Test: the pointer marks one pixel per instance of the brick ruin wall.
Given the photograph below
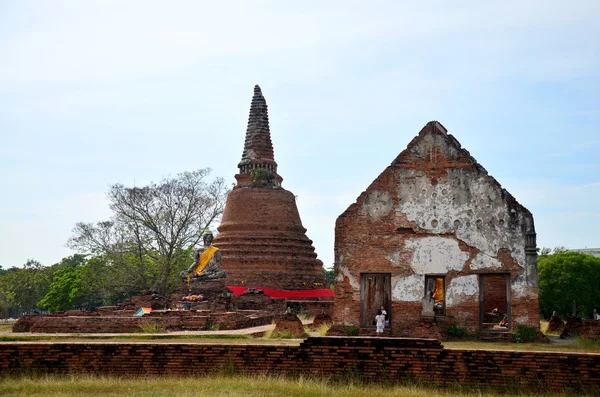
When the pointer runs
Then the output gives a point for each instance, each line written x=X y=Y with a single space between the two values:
x=435 y=211
x=389 y=360
x=170 y=321
x=578 y=327
x=310 y=308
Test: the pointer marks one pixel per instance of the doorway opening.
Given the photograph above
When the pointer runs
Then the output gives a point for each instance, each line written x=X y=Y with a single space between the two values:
x=435 y=287
x=494 y=302
x=375 y=292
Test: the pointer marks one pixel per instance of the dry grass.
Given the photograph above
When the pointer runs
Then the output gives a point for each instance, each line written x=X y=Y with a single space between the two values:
x=5 y=327
x=238 y=386
x=268 y=339
x=565 y=346
x=230 y=339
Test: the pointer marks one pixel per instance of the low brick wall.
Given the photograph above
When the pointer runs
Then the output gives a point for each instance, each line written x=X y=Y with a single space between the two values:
x=170 y=321
x=372 y=359
x=310 y=307
x=578 y=327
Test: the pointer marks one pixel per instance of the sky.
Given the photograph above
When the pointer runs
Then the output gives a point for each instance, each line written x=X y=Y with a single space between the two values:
x=94 y=93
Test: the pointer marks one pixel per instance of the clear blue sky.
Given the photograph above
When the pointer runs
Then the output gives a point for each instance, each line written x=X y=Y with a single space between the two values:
x=97 y=93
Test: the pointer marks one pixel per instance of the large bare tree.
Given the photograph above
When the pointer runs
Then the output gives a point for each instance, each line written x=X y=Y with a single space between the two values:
x=154 y=227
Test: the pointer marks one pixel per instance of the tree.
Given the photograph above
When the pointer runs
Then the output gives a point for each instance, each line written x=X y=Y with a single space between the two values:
x=566 y=276
x=329 y=275
x=154 y=227
x=22 y=289
x=63 y=290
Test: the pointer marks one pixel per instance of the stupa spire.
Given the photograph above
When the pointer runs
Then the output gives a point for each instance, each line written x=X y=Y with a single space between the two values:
x=258 y=148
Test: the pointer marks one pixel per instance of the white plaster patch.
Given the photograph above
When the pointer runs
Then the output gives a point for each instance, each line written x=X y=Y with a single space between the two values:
x=466 y=204
x=436 y=255
x=462 y=288
x=344 y=272
x=483 y=261
x=378 y=204
x=409 y=288
x=394 y=258
x=520 y=289
x=522 y=320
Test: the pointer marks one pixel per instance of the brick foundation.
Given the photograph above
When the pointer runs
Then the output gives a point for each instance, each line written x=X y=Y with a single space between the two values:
x=390 y=360
x=170 y=321
x=577 y=327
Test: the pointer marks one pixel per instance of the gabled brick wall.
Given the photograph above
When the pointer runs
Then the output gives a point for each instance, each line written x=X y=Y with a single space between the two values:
x=435 y=211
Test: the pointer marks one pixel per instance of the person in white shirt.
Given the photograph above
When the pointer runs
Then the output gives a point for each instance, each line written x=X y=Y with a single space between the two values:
x=387 y=319
x=380 y=321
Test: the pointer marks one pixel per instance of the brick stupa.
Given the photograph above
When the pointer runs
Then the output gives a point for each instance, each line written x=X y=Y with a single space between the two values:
x=261 y=237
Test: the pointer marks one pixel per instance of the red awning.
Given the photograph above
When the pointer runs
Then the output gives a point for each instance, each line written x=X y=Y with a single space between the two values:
x=282 y=293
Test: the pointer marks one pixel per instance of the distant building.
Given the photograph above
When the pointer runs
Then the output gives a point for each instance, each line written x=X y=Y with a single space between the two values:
x=589 y=251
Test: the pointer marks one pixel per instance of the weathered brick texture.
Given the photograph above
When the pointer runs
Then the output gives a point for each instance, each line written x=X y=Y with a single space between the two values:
x=435 y=211
x=390 y=360
x=170 y=321
x=261 y=237
x=576 y=326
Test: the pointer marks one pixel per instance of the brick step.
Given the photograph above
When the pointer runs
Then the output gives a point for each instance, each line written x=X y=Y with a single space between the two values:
x=495 y=336
x=372 y=332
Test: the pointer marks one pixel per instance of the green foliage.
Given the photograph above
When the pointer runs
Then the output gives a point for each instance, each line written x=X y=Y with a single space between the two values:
x=565 y=277
x=22 y=289
x=283 y=335
x=524 y=333
x=259 y=175
x=350 y=330
x=323 y=329
x=153 y=230
x=63 y=290
x=587 y=344
x=456 y=331
x=152 y=328
x=210 y=326
x=329 y=275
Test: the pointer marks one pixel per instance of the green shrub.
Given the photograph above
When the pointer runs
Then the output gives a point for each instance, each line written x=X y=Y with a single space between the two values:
x=524 y=333
x=259 y=175
x=210 y=326
x=587 y=344
x=283 y=335
x=152 y=328
x=323 y=329
x=456 y=332
x=350 y=330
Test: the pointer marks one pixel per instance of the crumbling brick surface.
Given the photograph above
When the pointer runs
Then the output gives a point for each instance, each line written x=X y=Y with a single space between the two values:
x=309 y=307
x=555 y=324
x=390 y=360
x=289 y=323
x=263 y=242
x=148 y=299
x=436 y=211
x=321 y=320
x=170 y=321
x=578 y=327
x=261 y=237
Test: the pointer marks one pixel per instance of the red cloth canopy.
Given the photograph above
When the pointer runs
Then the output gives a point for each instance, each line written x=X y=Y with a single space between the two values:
x=282 y=293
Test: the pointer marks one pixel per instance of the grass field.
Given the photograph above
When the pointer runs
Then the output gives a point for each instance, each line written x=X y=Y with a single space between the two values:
x=240 y=386
x=576 y=346
x=555 y=345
